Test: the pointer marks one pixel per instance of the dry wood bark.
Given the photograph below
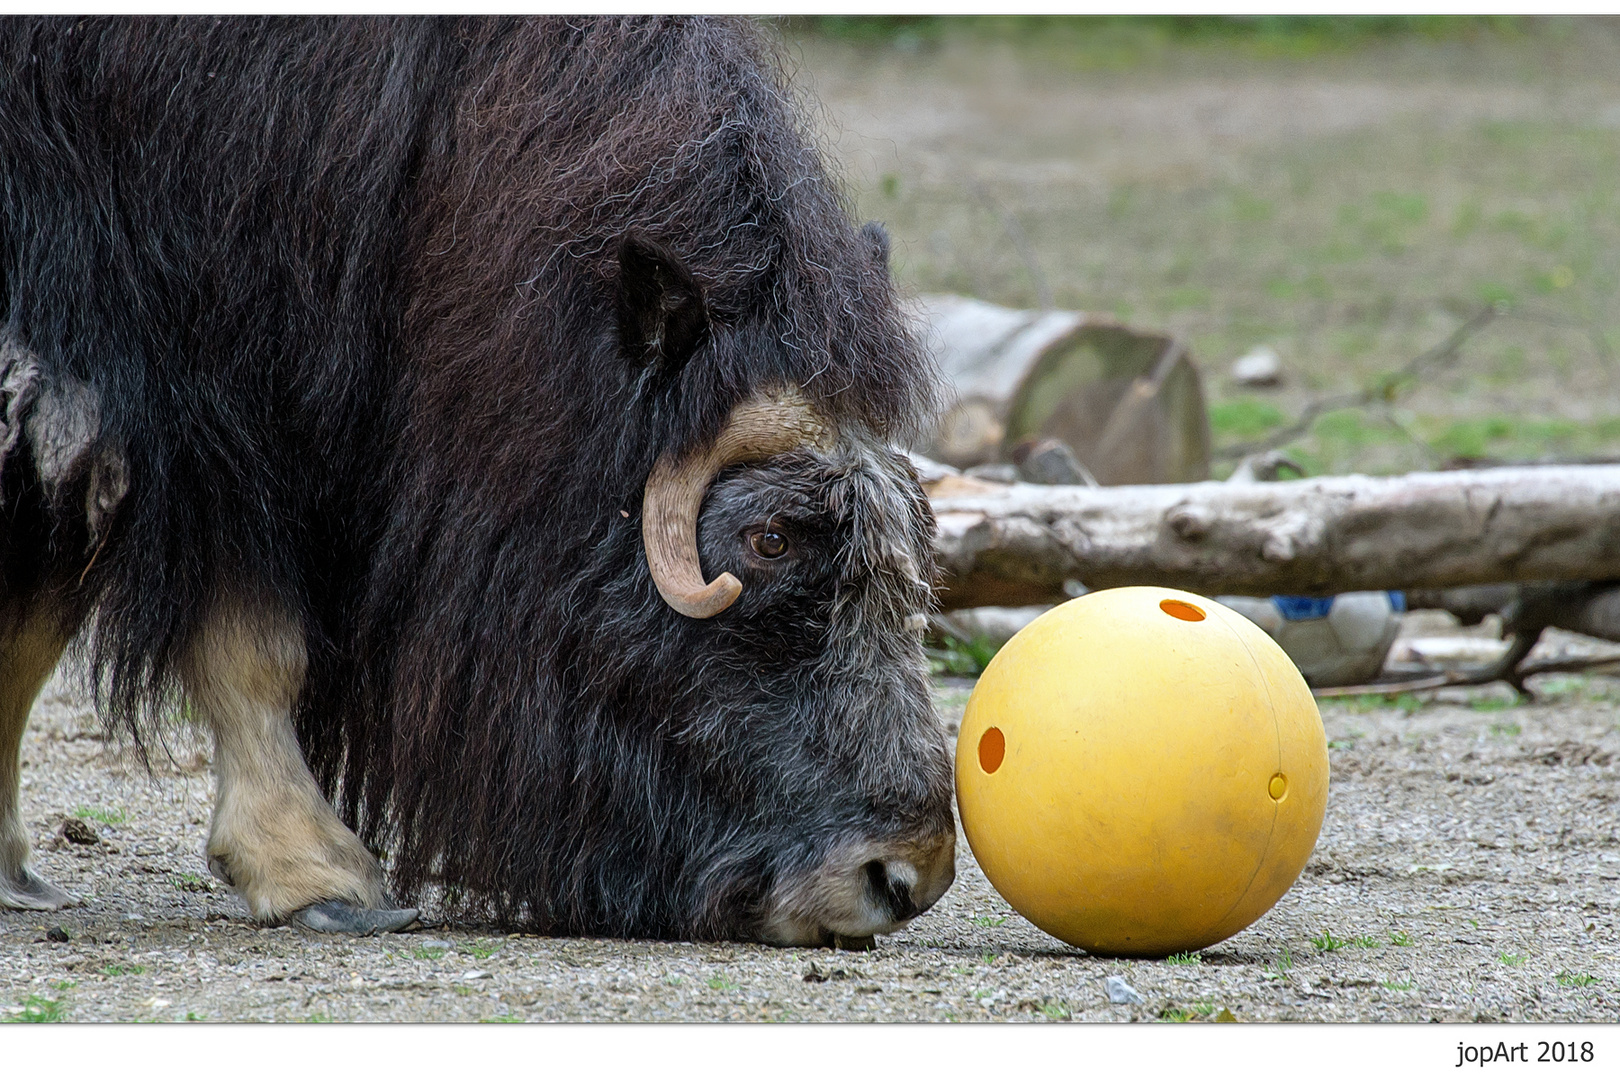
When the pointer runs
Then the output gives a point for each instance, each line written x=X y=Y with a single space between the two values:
x=1128 y=403
x=1020 y=543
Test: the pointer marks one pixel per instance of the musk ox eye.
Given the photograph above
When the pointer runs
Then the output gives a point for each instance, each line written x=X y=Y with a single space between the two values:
x=768 y=543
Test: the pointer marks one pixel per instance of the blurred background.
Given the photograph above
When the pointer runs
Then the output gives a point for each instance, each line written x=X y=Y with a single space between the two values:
x=1341 y=193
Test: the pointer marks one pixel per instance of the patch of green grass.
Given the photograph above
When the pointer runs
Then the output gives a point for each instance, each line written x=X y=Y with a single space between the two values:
x=1506 y=729
x=1184 y=958
x=428 y=953
x=989 y=958
x=1517 y=437
x=39 y=1010
x=186 y=881
x=1364 y=941
x=1560 y=685
x=989 y=920
x=504 y=1018
x=1175 y=1014
x=957 y=657
x=462 y=991
x=481 y=950
x=1351 y=429
x=720 y=982
x=1491 y=704
x=1401 y=938
x=1574 y=978
x=672 y=980
x=194 y=1018
x=1512 y=960
x=1281 y=966
x=107 y=816
x=1055 y=1010
x=1244 y=418
x=115 y=970
x=1326 y=942
x=318 y=1018
x=1396 y=984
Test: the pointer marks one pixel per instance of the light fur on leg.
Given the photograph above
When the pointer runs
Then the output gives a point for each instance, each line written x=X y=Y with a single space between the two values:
x=30 y=645
x=274 y=838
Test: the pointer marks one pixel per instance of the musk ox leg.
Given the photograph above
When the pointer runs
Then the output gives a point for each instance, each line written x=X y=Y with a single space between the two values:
x=31 y=642
x=274 y=838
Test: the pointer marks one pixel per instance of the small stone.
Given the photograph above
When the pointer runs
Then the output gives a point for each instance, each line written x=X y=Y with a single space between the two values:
x=1121 y=992
x=433 y=943
x=1258 y=367
x=57 y=934
x=471 y=976
x=1050 y=461
x=78 y=831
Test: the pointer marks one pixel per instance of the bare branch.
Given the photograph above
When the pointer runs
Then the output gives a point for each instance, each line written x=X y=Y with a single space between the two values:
x=1384 y=391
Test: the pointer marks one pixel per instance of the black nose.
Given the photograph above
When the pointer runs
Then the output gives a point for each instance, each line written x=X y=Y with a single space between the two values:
x=890 y=892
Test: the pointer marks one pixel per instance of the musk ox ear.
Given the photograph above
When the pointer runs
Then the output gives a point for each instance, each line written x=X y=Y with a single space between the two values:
x=877 y=239
x=662 y=316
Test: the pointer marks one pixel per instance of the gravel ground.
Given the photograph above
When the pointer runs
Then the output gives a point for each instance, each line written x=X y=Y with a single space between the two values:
x=1468 y=865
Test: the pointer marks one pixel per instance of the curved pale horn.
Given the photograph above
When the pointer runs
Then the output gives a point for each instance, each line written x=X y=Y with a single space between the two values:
x=771 y=423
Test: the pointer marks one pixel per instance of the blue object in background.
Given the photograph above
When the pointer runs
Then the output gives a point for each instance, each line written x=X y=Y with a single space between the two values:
x=1300 y=608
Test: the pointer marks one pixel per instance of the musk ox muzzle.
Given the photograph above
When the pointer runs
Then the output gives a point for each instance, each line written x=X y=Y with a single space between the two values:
x=861 y=890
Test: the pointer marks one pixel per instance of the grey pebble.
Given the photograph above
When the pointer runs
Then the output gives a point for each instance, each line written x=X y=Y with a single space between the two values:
x=1121 y=992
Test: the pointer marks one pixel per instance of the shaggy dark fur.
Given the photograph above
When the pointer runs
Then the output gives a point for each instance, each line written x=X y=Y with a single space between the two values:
x=349 y=294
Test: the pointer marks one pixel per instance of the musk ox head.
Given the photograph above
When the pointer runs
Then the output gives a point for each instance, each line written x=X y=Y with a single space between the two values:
x=796 y=555
x=708 y=719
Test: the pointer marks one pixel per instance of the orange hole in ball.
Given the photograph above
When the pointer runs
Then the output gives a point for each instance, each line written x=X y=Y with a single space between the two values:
x=1182 y=610
x=992 y=748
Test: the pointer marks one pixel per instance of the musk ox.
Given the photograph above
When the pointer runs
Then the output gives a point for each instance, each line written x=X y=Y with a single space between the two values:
x=483 y=428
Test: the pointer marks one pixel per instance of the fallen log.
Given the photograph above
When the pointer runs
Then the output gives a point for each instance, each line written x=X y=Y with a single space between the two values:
x=1017 y=544
x=1129 y=404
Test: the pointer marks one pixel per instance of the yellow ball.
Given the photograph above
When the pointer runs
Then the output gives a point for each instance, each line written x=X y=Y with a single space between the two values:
x=1141 y=772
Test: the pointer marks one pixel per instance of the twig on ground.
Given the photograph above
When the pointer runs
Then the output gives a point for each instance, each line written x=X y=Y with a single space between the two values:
x=1384 y=391
x=1479 y=677
x=1390 y=689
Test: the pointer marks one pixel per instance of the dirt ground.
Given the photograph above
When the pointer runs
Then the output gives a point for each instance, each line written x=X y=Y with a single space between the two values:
x=1468 y=869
